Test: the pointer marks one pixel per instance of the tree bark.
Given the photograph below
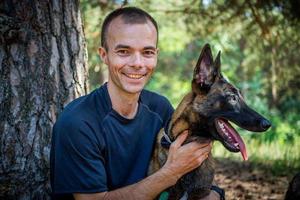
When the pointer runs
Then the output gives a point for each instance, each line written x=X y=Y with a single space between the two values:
x=42 y=68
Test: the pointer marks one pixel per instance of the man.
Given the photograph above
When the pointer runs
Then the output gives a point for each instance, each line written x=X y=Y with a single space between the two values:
x=102 y=142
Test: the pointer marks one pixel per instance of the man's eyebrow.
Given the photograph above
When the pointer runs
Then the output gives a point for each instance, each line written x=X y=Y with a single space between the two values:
x=150 y=47
x=122 y=46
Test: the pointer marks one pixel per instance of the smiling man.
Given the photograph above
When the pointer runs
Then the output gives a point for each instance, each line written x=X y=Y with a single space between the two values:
x=102 y=142
x=129 y=51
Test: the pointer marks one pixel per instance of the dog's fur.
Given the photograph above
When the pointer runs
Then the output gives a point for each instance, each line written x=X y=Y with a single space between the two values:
x=293 y=191
x=212 y=98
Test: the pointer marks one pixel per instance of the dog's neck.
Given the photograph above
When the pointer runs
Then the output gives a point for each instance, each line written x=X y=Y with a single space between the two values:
x=186 y=118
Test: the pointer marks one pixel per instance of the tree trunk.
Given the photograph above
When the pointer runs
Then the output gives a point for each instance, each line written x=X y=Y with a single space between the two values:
x=43 y=67
x=274 y=71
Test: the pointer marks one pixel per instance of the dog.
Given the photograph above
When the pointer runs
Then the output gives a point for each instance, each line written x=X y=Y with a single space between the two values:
x=293 y=191
x=206 y=112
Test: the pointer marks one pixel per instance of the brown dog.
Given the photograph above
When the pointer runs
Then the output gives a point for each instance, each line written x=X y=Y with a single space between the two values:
x=293 y=191
x=205 y=112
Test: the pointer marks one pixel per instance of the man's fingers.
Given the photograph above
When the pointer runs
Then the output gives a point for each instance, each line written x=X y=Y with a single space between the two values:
x=194 y=146
x=202 y=151
x=180 y=139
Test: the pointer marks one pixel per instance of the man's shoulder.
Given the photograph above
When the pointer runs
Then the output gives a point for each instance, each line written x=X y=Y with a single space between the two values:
x=153 y=98
x=78 y=120
x=86 y=108
x=79 y=107
x=73 y=115
x=157 y=103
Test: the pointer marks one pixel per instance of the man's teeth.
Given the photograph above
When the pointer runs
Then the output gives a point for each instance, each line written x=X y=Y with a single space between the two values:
x=135 y=76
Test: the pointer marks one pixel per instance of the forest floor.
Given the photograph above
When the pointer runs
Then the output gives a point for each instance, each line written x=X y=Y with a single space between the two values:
x=246 y=181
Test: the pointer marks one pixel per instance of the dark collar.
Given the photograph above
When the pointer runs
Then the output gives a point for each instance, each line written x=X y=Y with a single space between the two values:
x=165 y=141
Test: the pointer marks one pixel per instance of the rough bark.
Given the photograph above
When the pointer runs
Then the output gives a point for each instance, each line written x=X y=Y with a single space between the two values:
x=42 y=68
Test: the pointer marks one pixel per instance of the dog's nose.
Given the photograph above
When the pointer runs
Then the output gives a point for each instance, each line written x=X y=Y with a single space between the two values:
x=265 y=124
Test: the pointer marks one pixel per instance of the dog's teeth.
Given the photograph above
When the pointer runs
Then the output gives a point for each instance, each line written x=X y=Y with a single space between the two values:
x=221 y=124
x=225 y=132
x=236 y=144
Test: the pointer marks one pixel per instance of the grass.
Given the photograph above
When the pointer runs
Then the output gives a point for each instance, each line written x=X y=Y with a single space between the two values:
x=281 y=159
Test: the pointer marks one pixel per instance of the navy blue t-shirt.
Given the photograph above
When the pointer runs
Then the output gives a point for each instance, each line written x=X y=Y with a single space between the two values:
x=94 y=149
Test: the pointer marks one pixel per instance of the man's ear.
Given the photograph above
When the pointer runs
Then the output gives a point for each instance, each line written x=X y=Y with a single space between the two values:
x=103 y=54
x=204 y=73
x=157 y=51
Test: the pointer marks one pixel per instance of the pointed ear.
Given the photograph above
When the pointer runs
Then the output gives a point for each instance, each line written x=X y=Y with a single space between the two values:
x=204 y=73
x=217 y=64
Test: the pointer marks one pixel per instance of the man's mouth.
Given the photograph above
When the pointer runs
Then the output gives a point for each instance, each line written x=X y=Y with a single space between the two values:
x=230 y=137
x=134 y=76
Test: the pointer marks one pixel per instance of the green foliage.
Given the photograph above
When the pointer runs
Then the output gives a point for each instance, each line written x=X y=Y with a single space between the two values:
x=259 y=41
x=175 y=91
x=280 y=159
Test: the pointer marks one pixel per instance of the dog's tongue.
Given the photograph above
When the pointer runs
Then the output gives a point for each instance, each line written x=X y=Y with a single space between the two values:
x=236 y=137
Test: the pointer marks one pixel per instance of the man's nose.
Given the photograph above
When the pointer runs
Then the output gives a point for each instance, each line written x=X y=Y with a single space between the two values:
x=137 y=60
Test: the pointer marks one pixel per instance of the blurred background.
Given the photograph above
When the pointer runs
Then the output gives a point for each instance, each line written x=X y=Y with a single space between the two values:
x=259 y=41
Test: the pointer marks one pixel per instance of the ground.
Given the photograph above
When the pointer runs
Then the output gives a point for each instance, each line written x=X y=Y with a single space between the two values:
x=244 y=181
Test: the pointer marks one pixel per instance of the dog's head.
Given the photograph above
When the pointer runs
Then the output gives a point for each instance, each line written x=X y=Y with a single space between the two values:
x=218 y=102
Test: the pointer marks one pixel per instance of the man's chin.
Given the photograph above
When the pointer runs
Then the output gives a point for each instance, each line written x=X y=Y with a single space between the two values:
x=134 y=89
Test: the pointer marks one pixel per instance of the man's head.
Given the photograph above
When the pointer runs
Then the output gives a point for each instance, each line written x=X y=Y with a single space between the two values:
x=129 y=15
x=129 y=49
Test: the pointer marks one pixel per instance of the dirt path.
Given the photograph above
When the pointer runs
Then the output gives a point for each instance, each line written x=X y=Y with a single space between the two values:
x=242 y=181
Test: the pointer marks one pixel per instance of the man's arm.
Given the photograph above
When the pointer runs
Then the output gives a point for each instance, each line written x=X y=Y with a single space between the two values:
x=181 y=160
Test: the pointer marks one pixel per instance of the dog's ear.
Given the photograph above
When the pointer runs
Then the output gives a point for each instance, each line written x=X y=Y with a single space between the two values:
x=206 y=70
x=217 y=65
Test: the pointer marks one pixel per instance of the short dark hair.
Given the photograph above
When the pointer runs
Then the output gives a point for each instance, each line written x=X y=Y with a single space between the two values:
x=130 y=15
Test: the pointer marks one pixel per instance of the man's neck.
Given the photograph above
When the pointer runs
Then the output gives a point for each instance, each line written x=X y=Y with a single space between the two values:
x=125 y=104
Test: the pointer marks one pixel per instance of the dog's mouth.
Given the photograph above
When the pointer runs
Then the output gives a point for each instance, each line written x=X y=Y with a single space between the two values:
x=230 y=137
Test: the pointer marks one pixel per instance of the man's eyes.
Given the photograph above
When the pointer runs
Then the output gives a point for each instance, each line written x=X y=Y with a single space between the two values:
x=123 y=52
x=149 y=53
x=127 y=52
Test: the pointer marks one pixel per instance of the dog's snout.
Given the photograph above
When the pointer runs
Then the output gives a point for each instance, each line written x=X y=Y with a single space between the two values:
x=265 y=124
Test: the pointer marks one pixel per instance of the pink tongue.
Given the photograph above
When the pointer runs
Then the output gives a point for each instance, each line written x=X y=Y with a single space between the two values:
x=234 y=134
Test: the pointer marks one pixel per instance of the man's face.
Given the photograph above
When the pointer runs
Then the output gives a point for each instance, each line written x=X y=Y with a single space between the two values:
x=131 y=55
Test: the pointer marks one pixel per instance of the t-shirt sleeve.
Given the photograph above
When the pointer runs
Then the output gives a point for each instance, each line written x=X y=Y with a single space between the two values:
x=77 y=158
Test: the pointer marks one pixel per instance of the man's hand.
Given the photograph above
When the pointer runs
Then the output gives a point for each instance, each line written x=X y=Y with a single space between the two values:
x=181 y=160
x=184 y=158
